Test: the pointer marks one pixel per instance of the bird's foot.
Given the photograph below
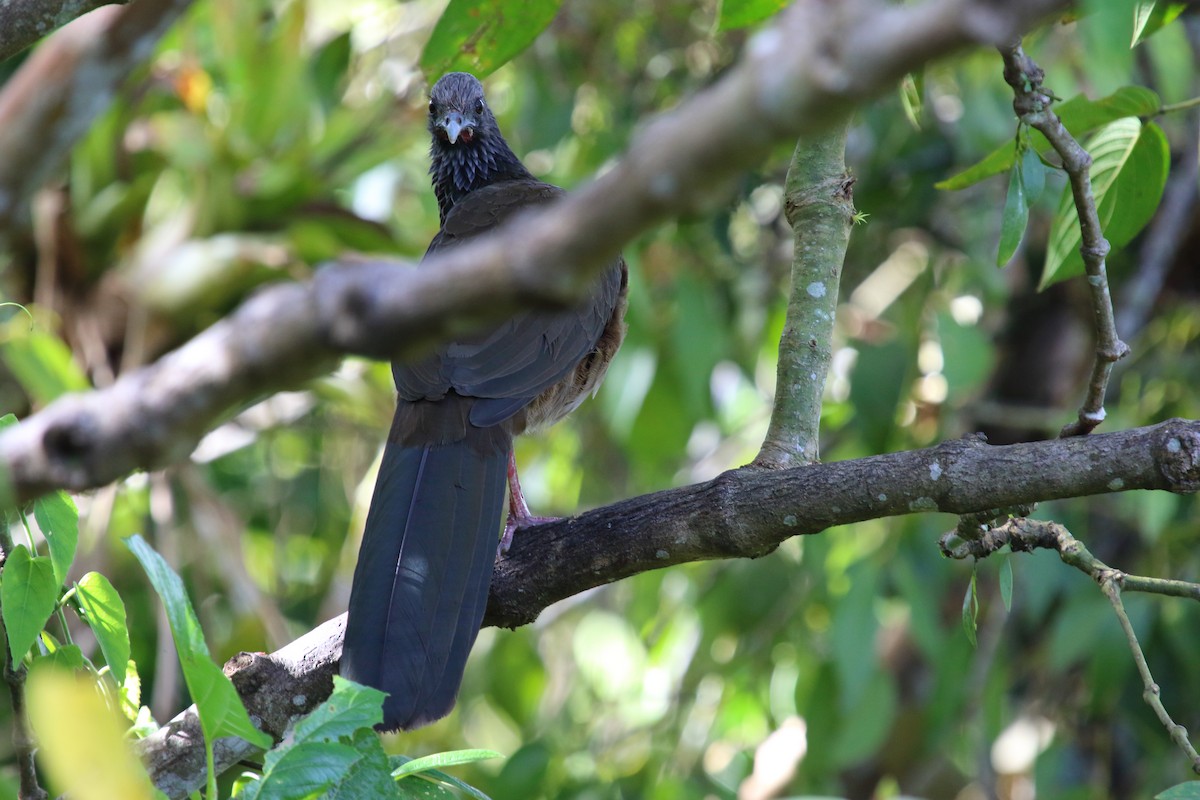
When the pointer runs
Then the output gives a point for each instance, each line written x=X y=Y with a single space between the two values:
x=518 y=522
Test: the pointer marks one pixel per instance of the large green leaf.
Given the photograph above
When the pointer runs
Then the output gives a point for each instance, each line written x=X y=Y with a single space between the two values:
x=105 y=615
x=305 y=770
x=28 y=591
x=42 y=364
x=480 y=36
x=220 y=709
x=1129 y=170
x=350 y=707
x=58 y=520
x=1079 y=115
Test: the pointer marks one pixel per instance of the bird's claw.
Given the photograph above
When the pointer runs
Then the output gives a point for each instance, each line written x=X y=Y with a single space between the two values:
x=517 y=522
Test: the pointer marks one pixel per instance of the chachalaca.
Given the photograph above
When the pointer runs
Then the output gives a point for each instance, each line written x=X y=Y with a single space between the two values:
x=421 y=584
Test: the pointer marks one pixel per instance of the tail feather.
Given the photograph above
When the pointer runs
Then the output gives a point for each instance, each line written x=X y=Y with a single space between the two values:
x=421 y=583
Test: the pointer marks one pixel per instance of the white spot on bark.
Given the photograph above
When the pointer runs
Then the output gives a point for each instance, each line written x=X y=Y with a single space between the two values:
x=816 y=289
x=935 y=471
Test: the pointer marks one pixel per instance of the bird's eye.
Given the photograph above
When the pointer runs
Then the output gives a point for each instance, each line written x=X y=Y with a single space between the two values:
x=432 y=107
x=478 y=106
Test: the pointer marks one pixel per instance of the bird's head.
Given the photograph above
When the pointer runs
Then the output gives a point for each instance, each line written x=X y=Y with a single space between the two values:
x=458 y=113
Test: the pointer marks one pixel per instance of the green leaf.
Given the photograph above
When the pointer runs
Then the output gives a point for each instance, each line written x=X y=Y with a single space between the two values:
x=1014 y=219
x=1181 y=791
x=479 y=36
x=28 y=591
x=1129 y=172
x=8 y=420
x=105 y=615
x=449 y=758
x=220 y=709
x=1149 y=17
x=993 y=163
x=1142 y=11
x=58 y=520
x=743 y=13
x=436 y=774
x=370 y=776
x=1006 y=582
x=304 y=770
x=68 y=657
x=42 y=364
x=910 y=100
x=1079 y=115
x=1033 y=175
x=970 y=609
x=351 y=707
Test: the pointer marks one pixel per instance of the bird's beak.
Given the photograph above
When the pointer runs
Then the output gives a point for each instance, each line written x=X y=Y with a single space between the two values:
x=456 y=125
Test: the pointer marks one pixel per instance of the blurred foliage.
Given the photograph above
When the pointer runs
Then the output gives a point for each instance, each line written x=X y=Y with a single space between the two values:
x=265 y=136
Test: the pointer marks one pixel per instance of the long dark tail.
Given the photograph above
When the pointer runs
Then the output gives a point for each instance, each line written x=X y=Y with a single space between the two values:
x=421 y=584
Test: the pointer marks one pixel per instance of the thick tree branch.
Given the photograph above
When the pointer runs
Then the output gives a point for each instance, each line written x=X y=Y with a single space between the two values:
x=746 y=512
x=23 y=22
x=64 y=85
x=819 y=205
x=798 y=77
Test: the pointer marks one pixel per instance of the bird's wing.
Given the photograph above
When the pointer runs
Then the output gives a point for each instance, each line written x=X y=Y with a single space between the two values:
x=510 y=364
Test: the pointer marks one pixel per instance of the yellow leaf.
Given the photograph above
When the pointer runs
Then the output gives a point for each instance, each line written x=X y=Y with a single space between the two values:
x=81 y=739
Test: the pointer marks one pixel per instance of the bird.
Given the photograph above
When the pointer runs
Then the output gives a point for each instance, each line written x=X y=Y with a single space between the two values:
x=433 y=529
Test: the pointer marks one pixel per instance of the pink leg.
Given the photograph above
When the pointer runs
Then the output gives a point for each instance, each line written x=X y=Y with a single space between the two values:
x=518 y=510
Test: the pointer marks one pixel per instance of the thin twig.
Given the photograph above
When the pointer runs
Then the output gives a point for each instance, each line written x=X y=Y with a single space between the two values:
x=1111 y=586
x=1032 y=103
x=1024 y=535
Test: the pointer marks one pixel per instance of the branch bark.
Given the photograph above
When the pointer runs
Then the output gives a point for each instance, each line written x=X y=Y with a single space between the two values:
x=819 y=205
x=47 y=106
x=744 y=513
x=23 y=22
x=796 y=78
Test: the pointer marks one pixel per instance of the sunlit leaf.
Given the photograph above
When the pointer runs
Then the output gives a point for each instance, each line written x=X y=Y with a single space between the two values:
x=1150 y=17
x=449 y=758
x=350 y=707
x=82 y=743
x=479 y=36
x=305 y=770
x=42 y=363
x=58 y=520
x=28 y=591
x=220 y=709
x=105 y=615
x=742 y=13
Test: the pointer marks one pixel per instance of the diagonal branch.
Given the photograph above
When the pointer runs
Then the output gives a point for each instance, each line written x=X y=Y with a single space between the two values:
x=743 y=513
x=798 y=77
x=47 y=106
x=23 y=22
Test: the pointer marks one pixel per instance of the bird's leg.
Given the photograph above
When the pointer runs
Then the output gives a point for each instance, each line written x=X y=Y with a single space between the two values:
x=518 y=510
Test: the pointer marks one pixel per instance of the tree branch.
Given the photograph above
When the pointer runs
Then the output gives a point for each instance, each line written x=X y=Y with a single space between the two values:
x=745 y=513
x=819 y=205
x=47 y=106
x=796 y=78
x=1032 y=103
x=23 y=22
